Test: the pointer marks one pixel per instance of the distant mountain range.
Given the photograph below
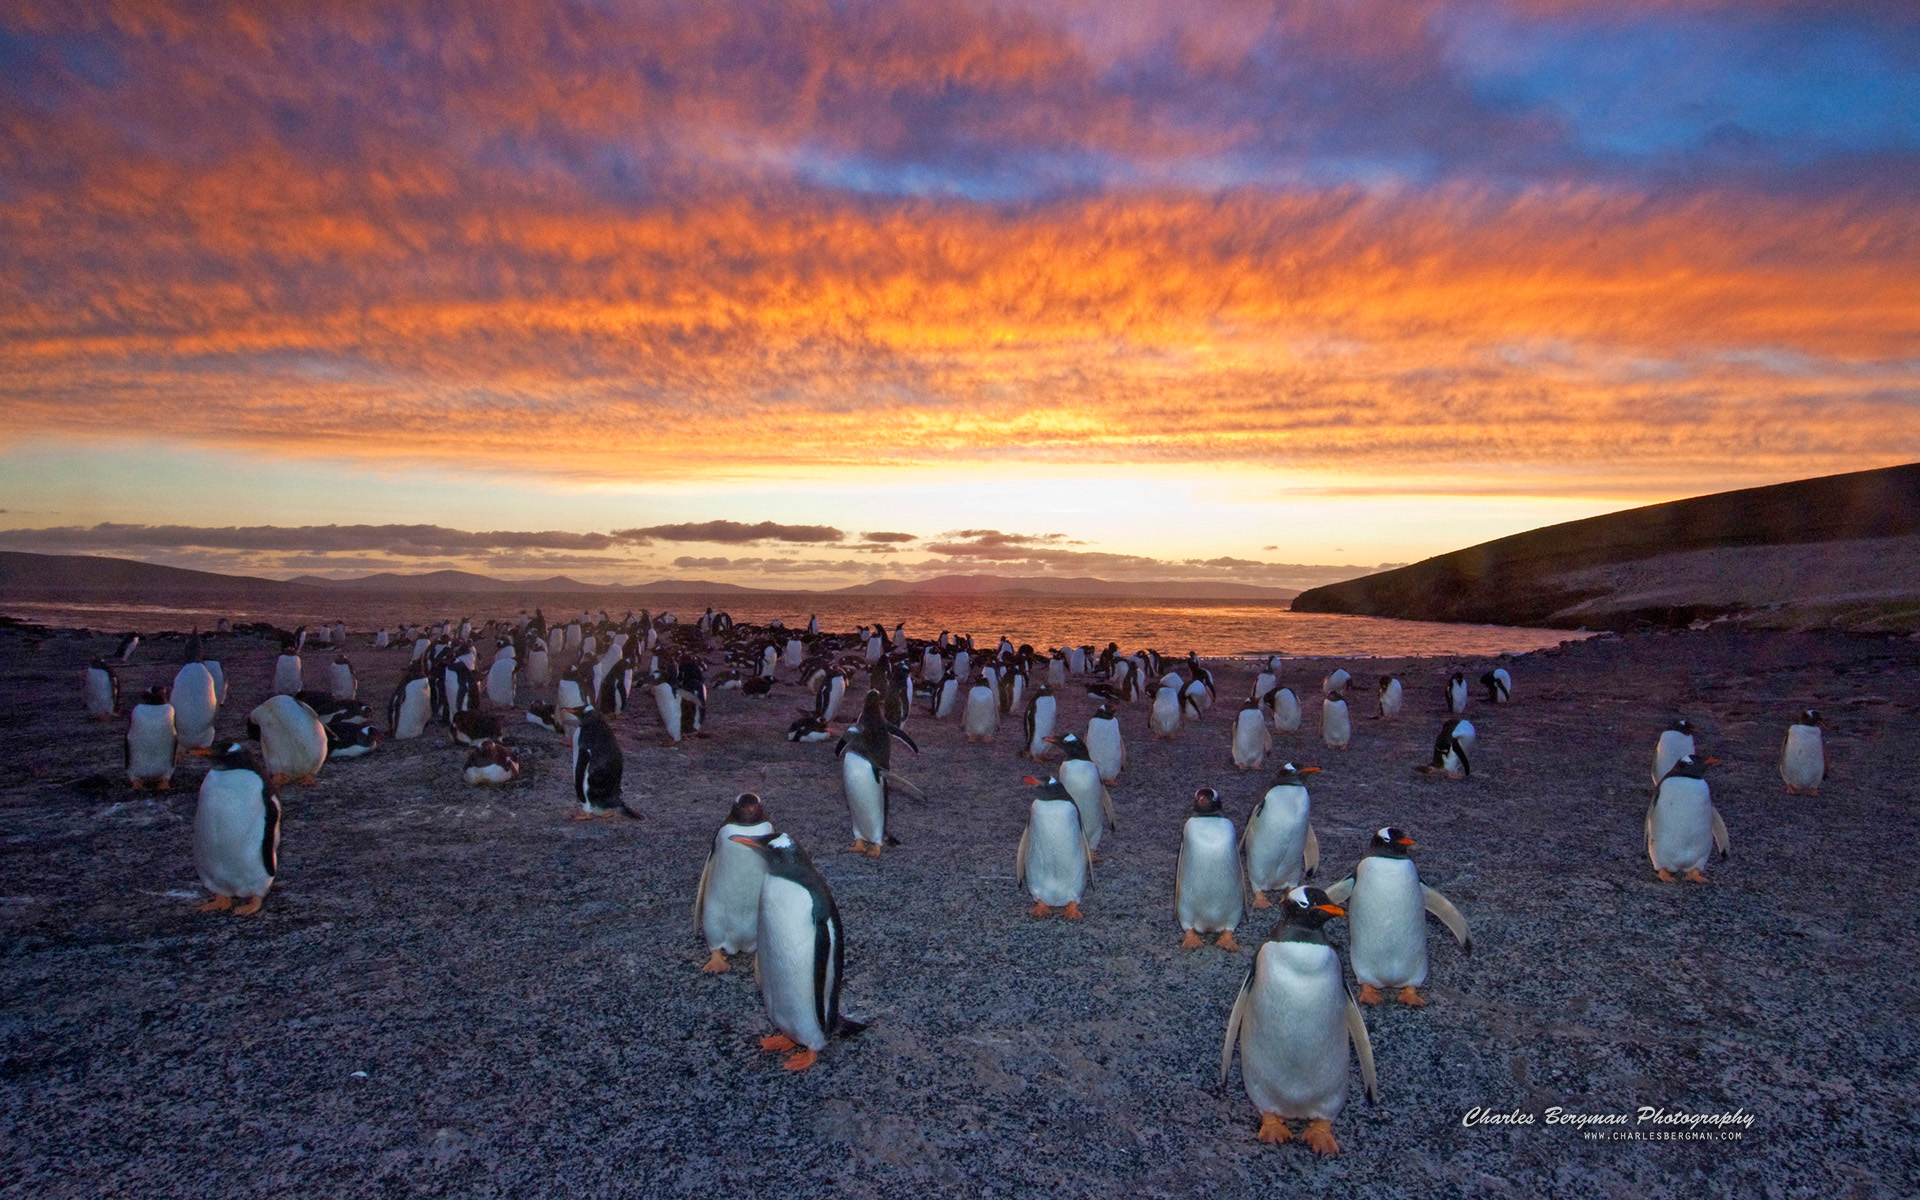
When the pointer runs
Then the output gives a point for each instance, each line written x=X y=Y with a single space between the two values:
x=1836 y=551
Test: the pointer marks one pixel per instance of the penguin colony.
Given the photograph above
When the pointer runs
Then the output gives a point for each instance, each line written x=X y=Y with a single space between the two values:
x=1295 y=1021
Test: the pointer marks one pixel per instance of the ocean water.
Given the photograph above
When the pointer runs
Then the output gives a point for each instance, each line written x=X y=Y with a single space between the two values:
x=1213 y=628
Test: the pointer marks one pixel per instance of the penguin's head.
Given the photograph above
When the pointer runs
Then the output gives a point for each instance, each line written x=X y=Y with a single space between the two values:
x=235 y=757
x=1688 y=768
x=1052 y=789
x=1390 y=843
x=1289 y=773
x=1811 y=717
x=154 y=695
x=193 y=648
x=1206 y=802
x=1307 y=907
x=1386 y=681
x=746 y=810
x=1336 y=697
x=1682 y=726
x=1251 y=705
x=1071 y=744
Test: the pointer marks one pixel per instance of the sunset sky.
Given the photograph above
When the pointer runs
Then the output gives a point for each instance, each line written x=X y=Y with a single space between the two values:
x=809 y=293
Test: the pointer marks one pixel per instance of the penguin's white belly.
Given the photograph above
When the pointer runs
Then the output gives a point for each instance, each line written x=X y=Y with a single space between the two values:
x=1387 y=924
x=1390 y=699
x=1210 y=889
x=1286 y=711
x=785 y=950
x=1056 y=863
x=875 y=648
x=866 y=797
x=1335 y=725
x=1043 y=714
x=415 y=708
x=1681 y=838
x=1198 y=697
x=1803 y=763
x=229 y=833
x=219 y=680
x=836 y=692
x=983 y=712
x=796 y=651
x=150 y=737
x=1251 y=741
x=1277 y=840
x=668 y=707
x=194 y=705
x=500 y=682
x=99 y=694
x=1106 y=748
x=1457 y=697
x=1165 y=717
x=1337 y=681
x=539 y=667
x=949 y=695
x=343 y=685
x=491 y=773
x=731 y=915
x=569 y=695
x=1263 y=683
x=1293 y=1038
x=1082 y=781
x=292 y=740
x=286 y=674
x=931 y=667
x=1671 y=748
x=1057 y=673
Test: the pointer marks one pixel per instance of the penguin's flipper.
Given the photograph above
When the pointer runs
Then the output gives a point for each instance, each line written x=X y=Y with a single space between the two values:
x=1234 y=1019
x=1339 y=892
x=901 y=782
x=1363 y=1050
x=1312 y=852
x=1720 y=841
x=902 y=734
x=840 y=746
x=1449 y=916
x=700 y=896
x=1020 y=858
x=270 y=836
x=1106 y=806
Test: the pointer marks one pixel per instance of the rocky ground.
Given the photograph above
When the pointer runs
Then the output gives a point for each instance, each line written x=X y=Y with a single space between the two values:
x=463 y=992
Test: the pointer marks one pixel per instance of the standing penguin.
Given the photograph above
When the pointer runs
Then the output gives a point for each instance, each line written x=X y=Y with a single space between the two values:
x=293 y=739
x=236 y=833
x=1053 y=862
x=1105 y=746
x=1457 y=693
x=1676 y=743
x=1041 y=709
x=1293 y=1021
x=1208 y=889
x=1803 y=756
x=1279 y=839
x=1081 y=778
x=1283 y=708
x=726 y=908
x=800 y=952
x=1336 y=725
x=1499 y=685
x=286 y=669
x=1391 y=697
x=866 y=754
x=1168 y=706
x=102 y=690
x=597 y=768
x=127 y=644
x=343 y=685
x=1251 y=740
x=1683 y=826
x=410 y=706
x=1387 y=919
x=982 y=718
x=195 y=702
x=945 y=697
x=667 y=704
x=1450 y=750
x=1336 y=681
x=150 y=741
x=501 y=677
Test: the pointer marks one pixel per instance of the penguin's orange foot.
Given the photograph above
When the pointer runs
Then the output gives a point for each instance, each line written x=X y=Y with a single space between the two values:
x=859 y=846
x=1694 y=876
x=1225 y=942
x=1273 y=1130
x=277 y=779
x=217 y=904
x=800 y=1061
x=1191 y=941
x=250 y=907
x=306 y=780
x=1410 y=996
x=165 y=785
x=201 y=751
x=583 y=815
x=1813 y=791
x=1073 y=912
x=1039 y=909
x=138 y=785
x=778 y=1042
x=1093 y=856
x=1369 y=994
x=1665 y=876
x=1792 y=790
x=1260 y=900
x=1318 y=1135
x=715 y=964
x=873 y=851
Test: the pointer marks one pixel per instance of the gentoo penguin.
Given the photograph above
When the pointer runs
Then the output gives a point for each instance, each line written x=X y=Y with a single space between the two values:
x=1676 y=743
x=500 y=677
x=410 y=707
x=127 y=644
x=1279 y=839
x=575 y=688
x=809 y=728
x=544 y=715
x=236 y=833
x=539 y=663
x=796 y=650
x=1457 y=693
x=615 y=689
x=1208 y=888
x=219 y=680
x=1450 y=750
x=1041 y=710
x=932 y=665
x=1283 y=708
x=343 y=685
x=1391 y=696
x=1337 y=681
x=1499 y=685
x=1683 y=826
x=1293 y=1021
x=1081 y=778
x=597 y=767
x=726 y=907
x=666 y=702
x=691 y=690
x=286 y=670
x=833 y=689
x=293 y=741
x=1057 y=669
x=1803 y=756
x=982 y=718
x=1251 y=740
x=1386 y=919
x=1263 y=683
x=150 y=741
x=1168 y=706
x=1336 y=725
x=491 y=764
x=195 y=702
x=1053 y=862
x=102 y=690
x=946 y=697
x=382 y=639
x=1105 y=746
x=351 y=736
x=799 y=954
x=472 y=728
x=866 y=754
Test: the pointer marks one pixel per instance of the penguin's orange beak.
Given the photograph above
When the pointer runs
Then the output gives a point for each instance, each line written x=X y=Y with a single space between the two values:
x=1408 y=842
x=1308 y=770
x=1332 y=910
x=1030 y=781
x=743 y=840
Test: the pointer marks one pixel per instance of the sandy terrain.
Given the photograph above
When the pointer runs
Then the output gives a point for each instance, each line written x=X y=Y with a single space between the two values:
x=465 y=993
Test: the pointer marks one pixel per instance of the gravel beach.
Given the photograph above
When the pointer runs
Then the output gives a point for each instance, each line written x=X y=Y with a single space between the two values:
x=460 y=991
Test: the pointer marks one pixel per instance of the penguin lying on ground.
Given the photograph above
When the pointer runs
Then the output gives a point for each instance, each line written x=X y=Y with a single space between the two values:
x=491 y=764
